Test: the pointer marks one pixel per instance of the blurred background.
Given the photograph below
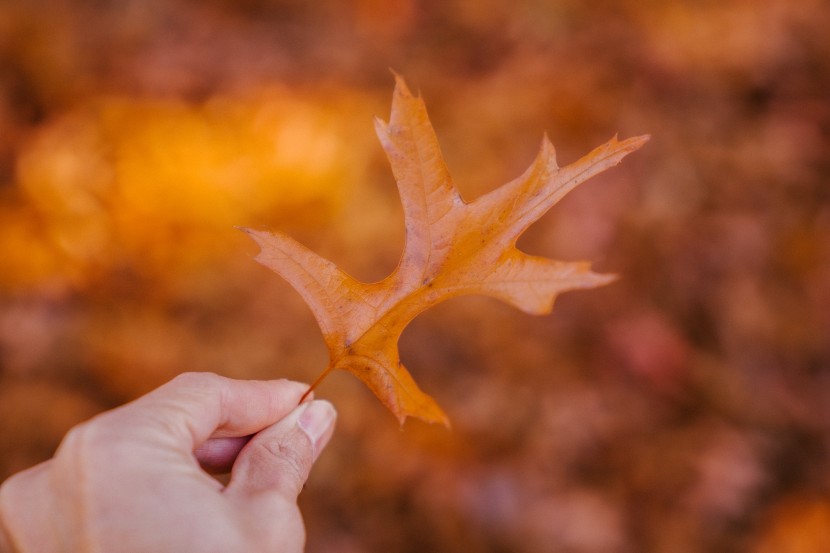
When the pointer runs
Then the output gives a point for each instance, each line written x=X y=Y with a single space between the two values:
x=684 y=408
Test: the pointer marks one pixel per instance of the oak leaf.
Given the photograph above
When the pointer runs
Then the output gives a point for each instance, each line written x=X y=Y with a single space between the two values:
x=452 y=248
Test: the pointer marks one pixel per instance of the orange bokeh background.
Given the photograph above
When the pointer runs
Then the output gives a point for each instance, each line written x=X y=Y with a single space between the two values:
x=683 y=408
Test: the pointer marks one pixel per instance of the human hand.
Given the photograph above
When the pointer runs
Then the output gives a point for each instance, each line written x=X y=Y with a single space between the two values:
x=133 y=479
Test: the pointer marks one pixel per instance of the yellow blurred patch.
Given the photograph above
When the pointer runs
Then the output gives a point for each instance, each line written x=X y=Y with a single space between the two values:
x=149 y=186
x=797 y=526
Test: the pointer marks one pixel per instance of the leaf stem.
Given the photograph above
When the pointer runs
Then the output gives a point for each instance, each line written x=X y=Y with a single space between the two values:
x=316 y=383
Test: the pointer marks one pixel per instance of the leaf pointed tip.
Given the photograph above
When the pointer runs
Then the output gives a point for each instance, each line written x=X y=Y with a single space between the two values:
x=432 y=418
x=602 y=279
x=395 y=74
x=587 y=278
x=546 y=149
x=381 y=127
x=401 y=88
x=258 y=236
x=638 y=141
x=633 y=143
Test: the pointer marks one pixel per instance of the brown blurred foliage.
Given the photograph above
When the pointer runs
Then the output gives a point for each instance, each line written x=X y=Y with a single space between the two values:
x=684 y=408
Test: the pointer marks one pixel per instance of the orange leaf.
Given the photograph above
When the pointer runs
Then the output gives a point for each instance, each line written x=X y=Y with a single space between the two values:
x=452 y=248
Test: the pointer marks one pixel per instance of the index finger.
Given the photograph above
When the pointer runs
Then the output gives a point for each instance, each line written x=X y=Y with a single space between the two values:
x=195 y=406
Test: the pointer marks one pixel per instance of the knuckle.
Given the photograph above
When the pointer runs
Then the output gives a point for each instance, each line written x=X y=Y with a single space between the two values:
x=289 y=461
x=77 y=438
x=79 y=444
x=90 y=445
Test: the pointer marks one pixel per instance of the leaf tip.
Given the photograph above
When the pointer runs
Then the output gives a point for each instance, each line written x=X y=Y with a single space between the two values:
x=401 y=88
x=438 y=417
x=591 y=279
x=633 y=143
x=638 y=141
x=603 y=279
x=547 y=151
x=381 y=128
x=442 y=419
x=256 y=235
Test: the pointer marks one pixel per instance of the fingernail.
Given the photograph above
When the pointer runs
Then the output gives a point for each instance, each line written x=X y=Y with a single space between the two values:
x=317 y=421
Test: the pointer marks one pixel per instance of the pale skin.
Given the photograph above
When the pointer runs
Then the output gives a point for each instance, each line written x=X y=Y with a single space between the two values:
x=135 y=479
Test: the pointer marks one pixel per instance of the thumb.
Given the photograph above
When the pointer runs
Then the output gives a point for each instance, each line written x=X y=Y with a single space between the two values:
x=278 y=459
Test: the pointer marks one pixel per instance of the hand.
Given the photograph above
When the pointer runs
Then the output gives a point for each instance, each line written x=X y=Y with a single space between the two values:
x=133 y=479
